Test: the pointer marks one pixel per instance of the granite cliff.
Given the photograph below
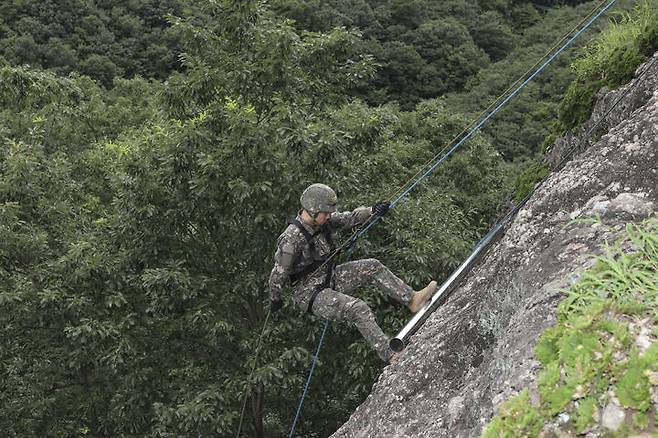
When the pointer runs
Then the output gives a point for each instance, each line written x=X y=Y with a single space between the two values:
x=477 y=349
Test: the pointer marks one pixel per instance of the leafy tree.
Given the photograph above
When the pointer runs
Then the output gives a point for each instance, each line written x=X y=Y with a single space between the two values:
x=409 y=14
x=528 y=111
x=70 y=331
x=400 y=74
x=322 y=16
x=493 y=35
x=448 y=39
x=101 y=39
x=137 y=241
x=448 y=47
x=138 y=221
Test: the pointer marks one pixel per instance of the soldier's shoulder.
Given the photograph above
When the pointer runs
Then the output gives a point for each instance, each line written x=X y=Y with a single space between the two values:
x=291 y=236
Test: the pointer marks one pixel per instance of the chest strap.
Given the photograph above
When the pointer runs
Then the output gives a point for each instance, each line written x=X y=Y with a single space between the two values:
x=317 y=260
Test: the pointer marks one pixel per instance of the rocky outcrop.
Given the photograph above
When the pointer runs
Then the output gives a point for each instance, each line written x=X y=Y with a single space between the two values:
x=477 y=349
x=611 y=108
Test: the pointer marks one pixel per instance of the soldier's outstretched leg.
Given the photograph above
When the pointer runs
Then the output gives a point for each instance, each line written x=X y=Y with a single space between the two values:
x=336 y=306
x=349 y=276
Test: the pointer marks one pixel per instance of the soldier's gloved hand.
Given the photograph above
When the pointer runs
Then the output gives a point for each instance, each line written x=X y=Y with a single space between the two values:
x=275 y=305
x=381 y=208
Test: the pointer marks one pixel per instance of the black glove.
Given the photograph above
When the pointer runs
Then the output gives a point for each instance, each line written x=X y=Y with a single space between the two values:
x=381 y=208
x=275 y=305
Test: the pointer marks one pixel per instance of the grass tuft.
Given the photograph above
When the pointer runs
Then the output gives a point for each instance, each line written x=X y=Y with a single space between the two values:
x=610 y=60
x=517 y=418
x=592 y=352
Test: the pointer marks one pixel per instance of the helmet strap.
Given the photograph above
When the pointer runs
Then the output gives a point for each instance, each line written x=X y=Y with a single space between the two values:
x=314 y=216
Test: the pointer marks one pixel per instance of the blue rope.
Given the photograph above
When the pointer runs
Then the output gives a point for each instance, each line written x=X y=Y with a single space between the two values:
x=317 y=353
x=431 y=170
x=308 y=380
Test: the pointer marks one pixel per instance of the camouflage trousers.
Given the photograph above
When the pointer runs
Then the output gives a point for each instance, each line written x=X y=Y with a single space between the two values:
x=335 y=305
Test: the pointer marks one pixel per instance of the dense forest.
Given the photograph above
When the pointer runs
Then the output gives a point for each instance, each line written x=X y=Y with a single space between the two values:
x=152 y=151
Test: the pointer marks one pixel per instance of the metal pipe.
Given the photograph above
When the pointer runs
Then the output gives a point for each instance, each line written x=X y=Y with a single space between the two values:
x=398 y=343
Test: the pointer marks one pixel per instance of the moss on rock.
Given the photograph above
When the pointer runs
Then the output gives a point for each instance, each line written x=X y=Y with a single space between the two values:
x=610 y=60
x=530 y=176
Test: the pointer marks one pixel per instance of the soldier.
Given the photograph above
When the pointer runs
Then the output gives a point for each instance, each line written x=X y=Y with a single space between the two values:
x=318 y=287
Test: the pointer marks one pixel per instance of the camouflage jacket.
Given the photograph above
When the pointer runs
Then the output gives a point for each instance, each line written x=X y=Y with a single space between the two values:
x=293 y=253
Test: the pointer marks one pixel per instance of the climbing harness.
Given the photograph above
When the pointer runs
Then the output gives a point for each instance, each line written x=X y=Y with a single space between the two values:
x=318 y=261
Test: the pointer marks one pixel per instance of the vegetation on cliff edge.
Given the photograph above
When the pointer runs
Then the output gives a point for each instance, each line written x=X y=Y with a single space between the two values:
x=603 y=349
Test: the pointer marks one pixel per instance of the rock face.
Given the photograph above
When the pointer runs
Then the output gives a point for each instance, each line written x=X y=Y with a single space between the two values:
x=477 y=349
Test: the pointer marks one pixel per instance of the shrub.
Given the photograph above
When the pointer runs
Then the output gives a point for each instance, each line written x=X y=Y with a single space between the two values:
x=610 y=61
x=532 y=174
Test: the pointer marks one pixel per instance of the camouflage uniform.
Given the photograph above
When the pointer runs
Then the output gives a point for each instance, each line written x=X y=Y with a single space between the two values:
x=293 y=254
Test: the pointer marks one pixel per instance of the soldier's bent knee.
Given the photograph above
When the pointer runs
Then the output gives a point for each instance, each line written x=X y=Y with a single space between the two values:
x=359 y=310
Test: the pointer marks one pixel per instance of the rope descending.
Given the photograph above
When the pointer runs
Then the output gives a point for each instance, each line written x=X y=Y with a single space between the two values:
x=461 y=140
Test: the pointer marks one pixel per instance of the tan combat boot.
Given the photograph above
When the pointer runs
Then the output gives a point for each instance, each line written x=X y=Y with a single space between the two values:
x=421 y=297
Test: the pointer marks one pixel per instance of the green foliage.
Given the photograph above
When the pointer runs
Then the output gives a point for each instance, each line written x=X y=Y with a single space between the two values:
x=586 y=413
x=610 y=60
x=519 y=130
x=138 y=226
x=577 y=105
x=615 y=54
x=421 y=50
x=100 y=39
x=436 y=57
x=531 y=175
x=546 y=350
x=67 y=310
x=137 y=223
x=517 y=417
x=633 y=388
x=554 y=394
x=648 y=39
x=424 y=49
x=494 y=36
x=22 y=88
x=641 y=420
x=630 y=279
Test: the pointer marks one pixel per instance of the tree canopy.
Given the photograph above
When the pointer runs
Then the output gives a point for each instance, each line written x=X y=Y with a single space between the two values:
x=101 y=39
x=151 y=153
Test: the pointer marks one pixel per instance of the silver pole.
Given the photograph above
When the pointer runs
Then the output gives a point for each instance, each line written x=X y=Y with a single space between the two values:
x=398 y=343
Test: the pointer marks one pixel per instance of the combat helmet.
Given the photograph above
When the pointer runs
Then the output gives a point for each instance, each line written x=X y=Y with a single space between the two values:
x=319 y=198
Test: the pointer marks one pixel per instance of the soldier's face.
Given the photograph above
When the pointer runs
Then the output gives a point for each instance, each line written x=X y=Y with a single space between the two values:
x=322 y=218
